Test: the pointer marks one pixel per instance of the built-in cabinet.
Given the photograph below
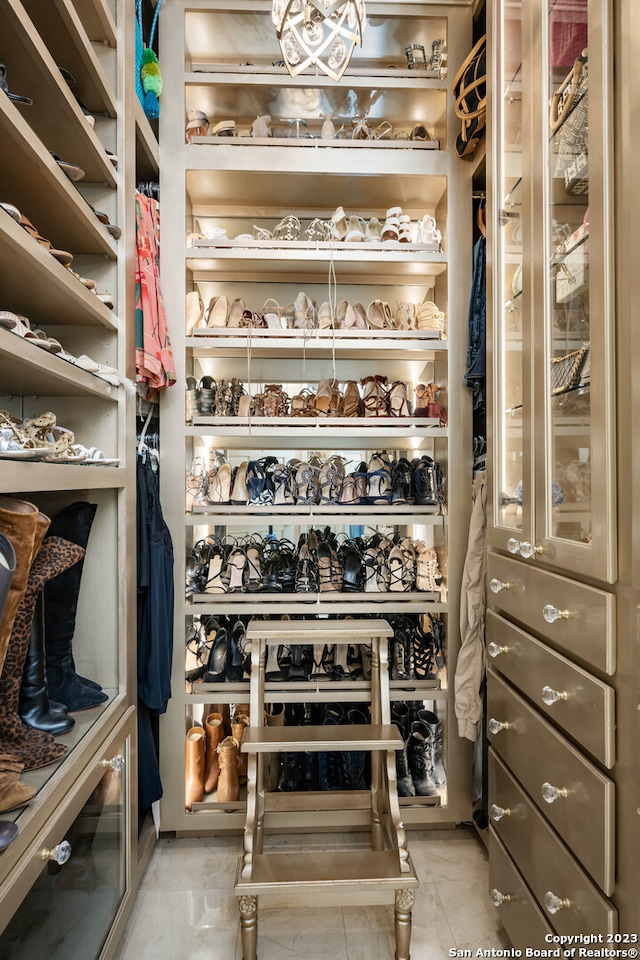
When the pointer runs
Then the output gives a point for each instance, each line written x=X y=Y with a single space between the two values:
x=224 y=193
x=75 y=860
x=557 y=645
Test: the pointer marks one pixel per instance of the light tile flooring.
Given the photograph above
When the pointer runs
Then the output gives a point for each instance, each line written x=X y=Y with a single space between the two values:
x=186 y=910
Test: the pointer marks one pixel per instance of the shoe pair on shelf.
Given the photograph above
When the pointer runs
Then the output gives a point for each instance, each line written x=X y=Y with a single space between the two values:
x=318 y=564
x=41 y=438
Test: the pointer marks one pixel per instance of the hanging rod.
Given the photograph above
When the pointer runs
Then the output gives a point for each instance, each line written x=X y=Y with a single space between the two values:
x=479 y=195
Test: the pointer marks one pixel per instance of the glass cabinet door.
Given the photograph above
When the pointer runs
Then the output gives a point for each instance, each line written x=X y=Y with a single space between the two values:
x=574 y=509
x=508 y=290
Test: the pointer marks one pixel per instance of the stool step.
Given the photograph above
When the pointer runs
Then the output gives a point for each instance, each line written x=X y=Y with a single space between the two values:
x=318 y=631
x=301 y=872
x=289 y=801
x=316 y=739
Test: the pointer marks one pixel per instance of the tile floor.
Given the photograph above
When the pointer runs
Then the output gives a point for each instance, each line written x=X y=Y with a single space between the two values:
x=186 y=910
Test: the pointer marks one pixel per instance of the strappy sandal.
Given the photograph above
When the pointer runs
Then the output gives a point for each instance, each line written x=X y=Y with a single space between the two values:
x=374 y=396
x=353 y=567
x=239 y=492
x=284 y=485
x=338 y=224
x=398 y=400
x=275 y=402
x=197 y=483
x=361 y=129
x=197 y=125
x=428 y=575
x=305 y=316
x=317 y=230
x=399 y=579
x=330 y=480
x=288 y=229
x=303 y=404
x=307 y=484
x=224 y=128
x=356 y=230
x=63 y=256
x=379 y=315
x=273 y=315
x=391 y=229
x=429 y=317
x=350 y=401
x=261 y=233
x=348 y=318
x=384 y=131
x=328 y=398
x=379 y=487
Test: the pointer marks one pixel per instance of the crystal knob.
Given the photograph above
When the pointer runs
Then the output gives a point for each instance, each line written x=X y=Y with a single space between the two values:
x=495 y=726
x=550 y=793
x=513 y=545
x=554 y=903
x=528 y=550
x=497 y=585
x=549 y=695
x=498 y=898
x=59 y=854
x=551 y=613
x=495 y=649
x=116 y=763
x=497 y=813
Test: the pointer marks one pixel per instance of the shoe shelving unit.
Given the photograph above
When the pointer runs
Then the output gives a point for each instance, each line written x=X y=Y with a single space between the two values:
x=236 y=183
x=94 y=41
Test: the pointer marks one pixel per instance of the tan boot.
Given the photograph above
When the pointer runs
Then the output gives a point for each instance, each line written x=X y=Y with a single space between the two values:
x=13 y=793
x=194 y=767
x=18 y=521
x=228 y=783
x=214 y=734
x=224 y=710
x=238 y=725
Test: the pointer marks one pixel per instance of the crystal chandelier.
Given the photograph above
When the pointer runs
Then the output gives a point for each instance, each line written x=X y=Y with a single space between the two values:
x=320 y=32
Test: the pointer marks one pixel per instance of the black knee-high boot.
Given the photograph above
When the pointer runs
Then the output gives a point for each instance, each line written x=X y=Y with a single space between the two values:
x=60 y=608
x=35 y=708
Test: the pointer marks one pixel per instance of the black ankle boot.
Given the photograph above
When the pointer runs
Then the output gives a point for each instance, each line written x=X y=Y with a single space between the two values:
x=421 y=761
x=405 y=780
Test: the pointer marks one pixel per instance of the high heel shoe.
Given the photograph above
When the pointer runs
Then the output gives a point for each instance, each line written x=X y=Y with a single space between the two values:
x=236 y=313
x=427 y=482
x=197 y=125
x=235 y=656
x=428 y=575
x=305 y=316
x=273 y=314
x=401 y=481
x=253 y=580
x=217 y=312
x=216 y=671
x=350 y=402
x=331 y=479
x=197 y=653
x=399 y=580
x=235 y=570
x=398 y=400
x=194 y=311
x=379 y=315
x=220 y=483
x=284 y=486
x=379 y=489
x=239 y=493
x=338 y=224
x=374 y=395
x=306 y=484
x=325 y=316
x=327 y=398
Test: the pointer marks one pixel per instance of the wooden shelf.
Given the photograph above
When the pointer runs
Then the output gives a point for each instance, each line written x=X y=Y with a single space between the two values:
x=329 y=513
x=97 y=21
x=33 y=181
x=147 y=149
x=33 y=477
x=36 y=285
x=55 y=116
x=320 y=344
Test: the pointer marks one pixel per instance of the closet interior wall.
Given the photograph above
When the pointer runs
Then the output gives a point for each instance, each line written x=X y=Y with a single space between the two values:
x=234 y=183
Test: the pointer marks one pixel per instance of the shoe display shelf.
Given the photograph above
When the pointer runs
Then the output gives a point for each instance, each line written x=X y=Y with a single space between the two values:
x=217 y=189
x=93 y=42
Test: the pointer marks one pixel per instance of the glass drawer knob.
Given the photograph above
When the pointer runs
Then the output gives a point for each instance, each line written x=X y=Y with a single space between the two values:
x=549 y=695
x=116 y=763
x=551 y=613
x=60 y=853
x=554 y=903
x=495 y=649
x=495 y=726
x=513 y=545
x=496 y=586
x=497 y=813
x=498 y=898
x=550 y=793
x=528 y=550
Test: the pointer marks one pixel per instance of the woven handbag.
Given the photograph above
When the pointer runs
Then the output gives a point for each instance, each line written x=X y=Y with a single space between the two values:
x=569 y=120
x=566 y=372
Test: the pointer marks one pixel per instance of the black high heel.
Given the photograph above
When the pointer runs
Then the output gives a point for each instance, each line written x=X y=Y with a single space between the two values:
x=401 y=486
x=235 y=658
x=217 y=667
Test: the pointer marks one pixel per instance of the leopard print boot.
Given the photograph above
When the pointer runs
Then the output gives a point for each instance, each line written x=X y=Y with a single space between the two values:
x=33 y=748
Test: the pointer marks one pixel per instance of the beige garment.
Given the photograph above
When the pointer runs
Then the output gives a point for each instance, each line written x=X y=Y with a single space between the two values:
x=470 y=667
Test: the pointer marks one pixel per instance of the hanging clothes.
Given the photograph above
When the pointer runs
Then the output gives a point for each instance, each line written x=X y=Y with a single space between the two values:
x=470 y=667
x=475 y=376
x=155 y=625
x=154 y=356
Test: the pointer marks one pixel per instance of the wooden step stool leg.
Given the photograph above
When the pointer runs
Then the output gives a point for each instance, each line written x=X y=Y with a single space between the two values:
x=404 y=904
x=249 y=926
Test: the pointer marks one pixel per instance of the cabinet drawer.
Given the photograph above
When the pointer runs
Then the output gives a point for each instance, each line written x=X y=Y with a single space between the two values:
x=588 y=632
x=543 y=761
x=546 y=865
x=521 y=916
x=585 y=708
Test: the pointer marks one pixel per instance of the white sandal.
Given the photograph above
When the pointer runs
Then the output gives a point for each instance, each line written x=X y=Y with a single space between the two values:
x=356 y=230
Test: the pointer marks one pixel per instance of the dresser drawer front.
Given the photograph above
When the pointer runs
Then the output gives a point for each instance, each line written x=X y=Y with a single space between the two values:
x=543 y=860
x=583 y=813
x=585 y=708
x=521 y=916
x=588 y=633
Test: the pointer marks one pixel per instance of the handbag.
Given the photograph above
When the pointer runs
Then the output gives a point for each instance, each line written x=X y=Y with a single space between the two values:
x=569 y=120
x=470 y=90
x=148 y=76
x=566 y=372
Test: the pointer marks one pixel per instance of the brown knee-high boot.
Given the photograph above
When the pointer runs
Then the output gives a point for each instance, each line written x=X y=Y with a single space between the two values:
x=34 y=748
x=239 y=723
x=194 y=767
x=18 y=520
x=214 y=734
